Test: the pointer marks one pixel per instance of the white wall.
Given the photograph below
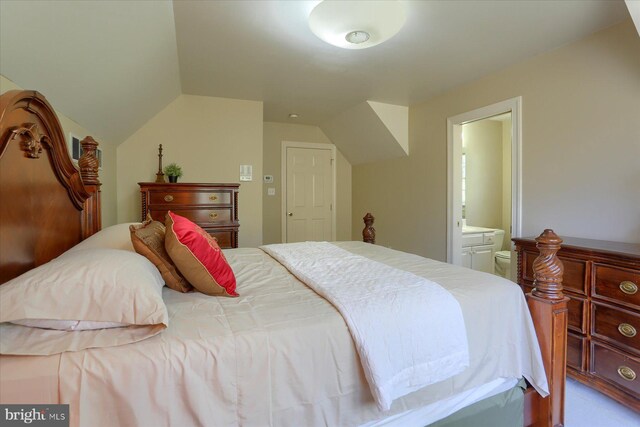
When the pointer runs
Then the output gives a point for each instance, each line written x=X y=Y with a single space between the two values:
x=580 y=148
x=210 y=138
x=483 y=149
x=108 y=171
x=506 y=183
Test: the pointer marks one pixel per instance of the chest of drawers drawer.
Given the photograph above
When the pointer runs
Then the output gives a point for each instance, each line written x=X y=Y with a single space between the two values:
x=577 y=313
x=180 y=198
x=617 y=284
x=616 y=325
x=615 y=367
x=575 y=351
x=206 y=216
x=577 y=306
x=575 y=272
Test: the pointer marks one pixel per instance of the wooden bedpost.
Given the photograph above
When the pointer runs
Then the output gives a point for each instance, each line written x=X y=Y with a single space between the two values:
x=548 y=307
x=369 y=233
x=89 y=165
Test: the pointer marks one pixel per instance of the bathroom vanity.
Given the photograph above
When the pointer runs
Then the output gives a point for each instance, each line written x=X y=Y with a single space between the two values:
x=478 y=250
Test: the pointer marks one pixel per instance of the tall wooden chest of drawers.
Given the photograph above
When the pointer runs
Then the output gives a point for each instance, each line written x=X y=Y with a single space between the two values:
x=602 y=280
x=214 y=207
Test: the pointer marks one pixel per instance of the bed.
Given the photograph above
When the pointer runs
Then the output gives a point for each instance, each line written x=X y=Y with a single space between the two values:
x=280 y=354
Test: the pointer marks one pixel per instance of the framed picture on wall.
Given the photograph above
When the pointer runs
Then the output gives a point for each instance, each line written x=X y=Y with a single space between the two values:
x=76 y=150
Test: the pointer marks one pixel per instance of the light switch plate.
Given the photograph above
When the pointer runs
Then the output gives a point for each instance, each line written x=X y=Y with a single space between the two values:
x=268 y=179
x=246 y=173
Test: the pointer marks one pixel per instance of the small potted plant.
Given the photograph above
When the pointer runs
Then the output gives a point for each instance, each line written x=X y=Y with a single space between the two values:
x=173 y=171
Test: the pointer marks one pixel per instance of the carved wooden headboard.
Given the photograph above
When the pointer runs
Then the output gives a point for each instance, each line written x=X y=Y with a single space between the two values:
x=46 y=204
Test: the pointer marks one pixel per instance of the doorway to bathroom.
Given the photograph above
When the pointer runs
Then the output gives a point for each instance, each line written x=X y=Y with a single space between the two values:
x=484 y=190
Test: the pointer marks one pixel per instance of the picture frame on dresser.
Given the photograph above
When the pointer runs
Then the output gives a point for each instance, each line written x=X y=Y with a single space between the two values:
x=213 y=206
x=602 y=281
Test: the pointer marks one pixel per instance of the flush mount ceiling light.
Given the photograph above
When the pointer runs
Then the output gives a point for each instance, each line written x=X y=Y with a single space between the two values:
x=356 y=24
x=293 y=116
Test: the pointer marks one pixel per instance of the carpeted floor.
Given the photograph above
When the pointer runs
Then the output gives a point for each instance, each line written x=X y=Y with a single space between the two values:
x=586 y=407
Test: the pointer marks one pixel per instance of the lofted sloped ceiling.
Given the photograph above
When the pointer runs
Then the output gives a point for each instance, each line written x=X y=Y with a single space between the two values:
x=112 y=65
x=108 y=65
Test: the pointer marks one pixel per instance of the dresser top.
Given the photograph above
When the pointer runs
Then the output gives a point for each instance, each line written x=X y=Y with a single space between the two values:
x=188 y=184
x=618 y=248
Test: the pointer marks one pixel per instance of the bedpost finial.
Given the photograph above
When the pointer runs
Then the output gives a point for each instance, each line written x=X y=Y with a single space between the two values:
x=369 y=233
x=547 y=267
x=88 y=162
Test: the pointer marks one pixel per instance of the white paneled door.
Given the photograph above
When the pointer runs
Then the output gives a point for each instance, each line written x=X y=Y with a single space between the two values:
x=309 y=194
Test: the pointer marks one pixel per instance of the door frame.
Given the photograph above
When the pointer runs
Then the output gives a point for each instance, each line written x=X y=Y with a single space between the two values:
x=454 y=173
x=283 y=189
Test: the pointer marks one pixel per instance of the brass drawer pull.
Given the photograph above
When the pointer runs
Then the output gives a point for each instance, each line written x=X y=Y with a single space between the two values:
x=168 y=198
x=627 y=330
x=213 y=215
x=628 y=287
x=626 y=373
x=213 y=197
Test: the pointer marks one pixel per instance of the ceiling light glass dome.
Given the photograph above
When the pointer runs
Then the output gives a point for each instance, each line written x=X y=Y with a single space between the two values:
x=357 y=24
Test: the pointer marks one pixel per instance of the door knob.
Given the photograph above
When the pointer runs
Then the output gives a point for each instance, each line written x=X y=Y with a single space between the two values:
x=290 y=214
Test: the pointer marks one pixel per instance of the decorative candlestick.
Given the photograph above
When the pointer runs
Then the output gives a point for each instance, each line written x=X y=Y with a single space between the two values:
x=160 y=174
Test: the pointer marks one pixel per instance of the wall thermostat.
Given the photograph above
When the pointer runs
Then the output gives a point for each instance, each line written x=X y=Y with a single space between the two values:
x=268 y=179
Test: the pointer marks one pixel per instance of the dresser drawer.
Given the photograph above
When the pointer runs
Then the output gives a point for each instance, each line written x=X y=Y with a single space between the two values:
x=577 y=313
x=615 y=325
x=575 y=351
x=472 y=239
x=225 y=239
x=615 y=367
x=617 y=284
x=575 y=272
x=206 y=215
x=189 y=197
x=577 y=319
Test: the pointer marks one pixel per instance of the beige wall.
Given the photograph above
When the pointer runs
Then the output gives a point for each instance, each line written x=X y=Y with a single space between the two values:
x=210 y=138
x=108 y=172
x=274 y=134
x=483 y=148
x=506 y=183
x=580 y=148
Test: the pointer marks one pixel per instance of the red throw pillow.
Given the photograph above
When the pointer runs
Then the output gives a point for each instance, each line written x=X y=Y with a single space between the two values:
x=198 y=257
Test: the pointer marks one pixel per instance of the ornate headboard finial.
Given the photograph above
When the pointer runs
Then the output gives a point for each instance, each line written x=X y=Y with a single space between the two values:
x=548 y=269
x=369 y=233
x=88 y=162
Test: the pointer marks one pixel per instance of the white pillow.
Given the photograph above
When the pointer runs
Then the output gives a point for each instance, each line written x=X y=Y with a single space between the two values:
x=113 y=237
x=92 y=285
x=68 y=325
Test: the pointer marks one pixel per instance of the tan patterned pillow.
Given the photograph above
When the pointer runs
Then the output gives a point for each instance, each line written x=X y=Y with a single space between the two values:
x=148 y=240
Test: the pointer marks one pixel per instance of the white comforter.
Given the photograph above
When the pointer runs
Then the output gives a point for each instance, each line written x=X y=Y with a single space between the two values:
x=278 y=355
x=408 y=330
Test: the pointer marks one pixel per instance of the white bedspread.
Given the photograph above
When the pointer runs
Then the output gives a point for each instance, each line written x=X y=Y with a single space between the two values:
x=278 y=355
x=409 y=331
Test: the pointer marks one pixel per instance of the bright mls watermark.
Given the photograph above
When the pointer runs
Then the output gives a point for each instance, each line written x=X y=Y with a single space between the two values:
x=34 y=415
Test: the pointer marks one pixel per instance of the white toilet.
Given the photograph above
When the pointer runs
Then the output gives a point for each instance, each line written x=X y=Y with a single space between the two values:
x=502 y=258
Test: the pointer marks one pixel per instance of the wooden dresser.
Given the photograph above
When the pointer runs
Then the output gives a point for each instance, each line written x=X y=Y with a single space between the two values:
x=602 y=280
x=214 y=207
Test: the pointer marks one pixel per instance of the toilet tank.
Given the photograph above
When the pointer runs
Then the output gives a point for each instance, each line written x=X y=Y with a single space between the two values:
x=498 y=240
